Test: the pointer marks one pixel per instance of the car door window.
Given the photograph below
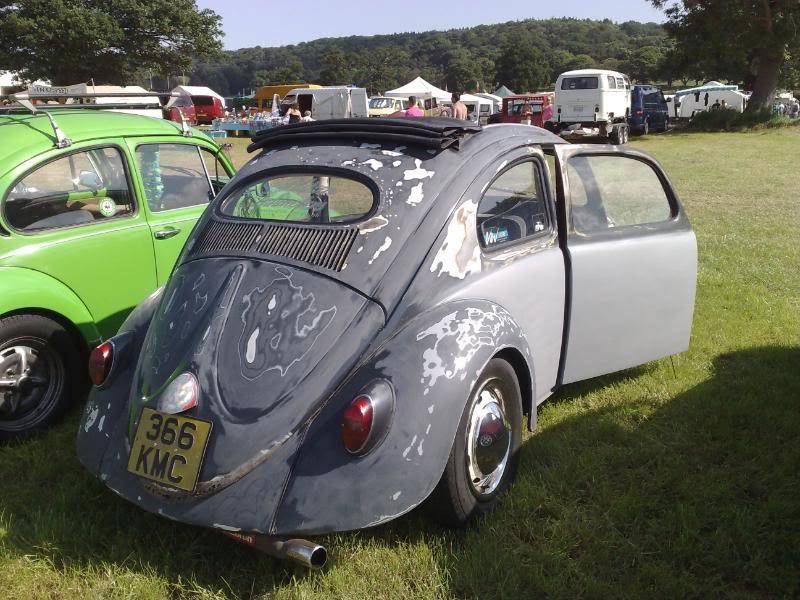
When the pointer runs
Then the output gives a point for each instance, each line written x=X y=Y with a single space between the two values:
x=173 y=176
x=608 y=191
x=80 y=188
x=513 y=207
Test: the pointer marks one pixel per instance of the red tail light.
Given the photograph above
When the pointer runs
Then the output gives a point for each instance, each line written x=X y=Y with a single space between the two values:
x=639 y=113
x=357 y=424
x=100 y=361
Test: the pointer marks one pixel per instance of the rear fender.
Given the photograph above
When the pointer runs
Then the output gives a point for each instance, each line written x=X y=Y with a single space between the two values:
x=432 y=364
x=26 y=290
x=106 y=405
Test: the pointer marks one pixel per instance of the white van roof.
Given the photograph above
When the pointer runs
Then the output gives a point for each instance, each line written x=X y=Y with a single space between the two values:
x=589 y=72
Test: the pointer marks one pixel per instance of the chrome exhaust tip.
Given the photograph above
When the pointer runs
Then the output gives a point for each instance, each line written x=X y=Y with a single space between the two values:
x=310 y=555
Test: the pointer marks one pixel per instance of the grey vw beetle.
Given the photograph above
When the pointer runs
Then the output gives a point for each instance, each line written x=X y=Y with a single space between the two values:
x=365 y=316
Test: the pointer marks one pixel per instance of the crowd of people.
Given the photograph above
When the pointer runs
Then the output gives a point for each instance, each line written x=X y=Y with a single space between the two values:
x=791 y=110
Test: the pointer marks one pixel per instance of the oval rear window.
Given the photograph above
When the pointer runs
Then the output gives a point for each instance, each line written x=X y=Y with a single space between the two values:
x=301 y=198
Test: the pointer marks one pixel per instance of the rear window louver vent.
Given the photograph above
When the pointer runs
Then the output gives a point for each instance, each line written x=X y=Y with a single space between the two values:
x=227 y=236
x=327 y=248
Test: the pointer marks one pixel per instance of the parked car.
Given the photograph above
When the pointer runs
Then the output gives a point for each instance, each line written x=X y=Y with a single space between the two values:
x=541 y=107
x=366 y=315
x=649 y=110
x=179 y=109
x=207 y=108
x=383 y=106
x=592 y=103
x=93 y=213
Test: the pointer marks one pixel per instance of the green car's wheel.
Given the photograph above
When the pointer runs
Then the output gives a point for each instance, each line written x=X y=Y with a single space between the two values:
x=40 y=369
x=484 y=457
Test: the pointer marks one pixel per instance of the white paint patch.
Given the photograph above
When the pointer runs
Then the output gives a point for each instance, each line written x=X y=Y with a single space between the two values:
x=397 y=163
x=419 y=448
x=430 y=408
x=272 y=303
x=399 y=184
x=100 y=424
x=373 y=163
x=349 y=163
x=370 y=146
x=226 y=527
x=411 y=445
x=460 y=254
x=360 y=248
x=384 y=246
x=391 y=153
x=91 y=418
x=428 y=429
x=396 y=495
x=416 y=196
x=250 y=353
x=418 y=173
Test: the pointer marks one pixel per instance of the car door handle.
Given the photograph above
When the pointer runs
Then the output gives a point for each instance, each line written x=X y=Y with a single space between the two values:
x=165 y=234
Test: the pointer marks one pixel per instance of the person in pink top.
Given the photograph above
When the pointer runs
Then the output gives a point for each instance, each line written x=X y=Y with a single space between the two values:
x=413 y=110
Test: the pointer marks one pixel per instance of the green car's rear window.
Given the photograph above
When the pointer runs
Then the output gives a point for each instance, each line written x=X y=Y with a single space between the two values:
x=301 y=198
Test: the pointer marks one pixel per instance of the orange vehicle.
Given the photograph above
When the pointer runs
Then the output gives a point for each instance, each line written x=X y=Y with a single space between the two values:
x=541 y=104
x=264 y=95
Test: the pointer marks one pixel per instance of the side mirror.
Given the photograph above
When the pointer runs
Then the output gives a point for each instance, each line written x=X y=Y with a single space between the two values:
x=90 y=179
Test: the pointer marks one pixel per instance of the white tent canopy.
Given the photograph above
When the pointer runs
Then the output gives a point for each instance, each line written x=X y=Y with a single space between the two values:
x=197 y=90
x=419 y=88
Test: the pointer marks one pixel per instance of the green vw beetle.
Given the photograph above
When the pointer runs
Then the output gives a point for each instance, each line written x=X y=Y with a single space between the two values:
x=95 y=207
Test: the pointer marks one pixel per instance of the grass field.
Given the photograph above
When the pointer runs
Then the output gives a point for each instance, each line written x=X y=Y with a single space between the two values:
x=677 y=479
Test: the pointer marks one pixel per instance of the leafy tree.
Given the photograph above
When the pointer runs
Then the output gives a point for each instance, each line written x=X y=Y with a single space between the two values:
x=290 y=72
x=522 y=66
x=110 y=41
x=463 y=72
x=581 y=61
x=336 y=69
x=747 y=40
x=643 y=63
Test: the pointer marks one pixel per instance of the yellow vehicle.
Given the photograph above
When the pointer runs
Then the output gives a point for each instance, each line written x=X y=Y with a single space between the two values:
x=383 y=106
x=264 y=95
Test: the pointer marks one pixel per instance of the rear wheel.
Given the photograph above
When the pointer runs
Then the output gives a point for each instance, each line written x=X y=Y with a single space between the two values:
x=484 y=457
x=39 y=374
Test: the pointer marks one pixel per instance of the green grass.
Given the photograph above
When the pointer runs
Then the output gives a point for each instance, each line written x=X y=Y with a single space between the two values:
x=679 y=478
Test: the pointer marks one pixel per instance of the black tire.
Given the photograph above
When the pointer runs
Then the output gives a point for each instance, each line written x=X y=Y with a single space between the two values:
x=616 y=136
x=38 y=397
x=455 y=501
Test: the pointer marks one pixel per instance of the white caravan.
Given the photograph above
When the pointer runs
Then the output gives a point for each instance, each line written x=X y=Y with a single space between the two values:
x=689 y=102
x=330 y=102
x=593 y=103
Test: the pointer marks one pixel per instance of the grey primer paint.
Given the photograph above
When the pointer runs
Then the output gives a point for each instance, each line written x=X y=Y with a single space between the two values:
x=281 y=346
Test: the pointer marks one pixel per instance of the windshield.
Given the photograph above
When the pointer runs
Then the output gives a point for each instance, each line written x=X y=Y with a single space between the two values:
x=301 y=198
x=381 y=103
x=203 y=100
x=579 y=83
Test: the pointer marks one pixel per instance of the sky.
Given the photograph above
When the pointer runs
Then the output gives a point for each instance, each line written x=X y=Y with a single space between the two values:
x=272 y=23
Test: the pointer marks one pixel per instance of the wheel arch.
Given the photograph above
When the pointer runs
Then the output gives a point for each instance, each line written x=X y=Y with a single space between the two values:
x=74 y=332
x=517 y=361
x=53 y=300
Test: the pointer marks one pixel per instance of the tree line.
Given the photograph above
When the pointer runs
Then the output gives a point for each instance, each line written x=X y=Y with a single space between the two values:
x=523 y=55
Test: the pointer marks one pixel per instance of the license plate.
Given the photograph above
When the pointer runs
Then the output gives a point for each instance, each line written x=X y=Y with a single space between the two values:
x=577 y=109
x=169 y=449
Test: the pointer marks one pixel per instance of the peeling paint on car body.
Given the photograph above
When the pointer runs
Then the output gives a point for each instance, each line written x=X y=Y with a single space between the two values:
x=281 y=344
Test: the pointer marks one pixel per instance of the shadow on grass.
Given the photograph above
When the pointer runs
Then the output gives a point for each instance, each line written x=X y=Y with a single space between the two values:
x=694 y=496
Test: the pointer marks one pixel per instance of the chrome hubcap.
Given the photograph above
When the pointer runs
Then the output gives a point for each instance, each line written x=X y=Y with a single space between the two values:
x=488 y=440
x=24 y=380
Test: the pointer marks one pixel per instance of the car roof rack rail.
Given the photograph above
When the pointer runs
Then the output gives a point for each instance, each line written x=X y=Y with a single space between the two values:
x=433 y=133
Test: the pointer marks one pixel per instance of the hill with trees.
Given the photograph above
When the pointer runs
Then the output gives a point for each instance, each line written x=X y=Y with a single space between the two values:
x=524 y=55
